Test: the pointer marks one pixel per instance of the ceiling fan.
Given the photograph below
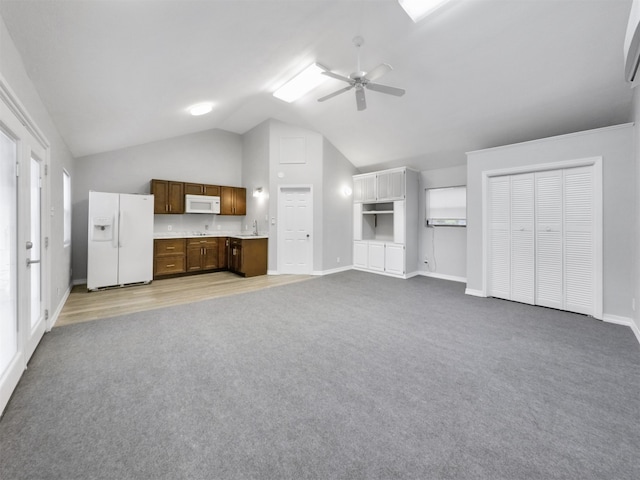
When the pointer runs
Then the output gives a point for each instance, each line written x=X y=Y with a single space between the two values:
x=361 y=80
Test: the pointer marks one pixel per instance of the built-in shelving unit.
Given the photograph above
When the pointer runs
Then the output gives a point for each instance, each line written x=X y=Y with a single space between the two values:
x=385 y=222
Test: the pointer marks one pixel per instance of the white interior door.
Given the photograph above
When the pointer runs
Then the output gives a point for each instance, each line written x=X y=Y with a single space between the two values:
x=295 y=241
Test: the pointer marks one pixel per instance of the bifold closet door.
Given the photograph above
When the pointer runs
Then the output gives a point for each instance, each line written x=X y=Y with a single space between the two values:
x=542 y=238
x=549 y=239
x=522 y=238
x=499 y=255
x=579 y=240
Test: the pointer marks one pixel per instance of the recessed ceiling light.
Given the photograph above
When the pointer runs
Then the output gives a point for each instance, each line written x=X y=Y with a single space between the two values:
x=301 y=84
x=200 y=109
x=418 y=9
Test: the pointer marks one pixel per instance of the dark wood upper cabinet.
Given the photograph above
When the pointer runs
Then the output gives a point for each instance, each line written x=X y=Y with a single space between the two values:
x=201 y=189
x=168 y=196
x=233 y=201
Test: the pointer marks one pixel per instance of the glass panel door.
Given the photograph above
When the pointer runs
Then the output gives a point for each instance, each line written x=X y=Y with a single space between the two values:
x=8 y=259
x=35 y=264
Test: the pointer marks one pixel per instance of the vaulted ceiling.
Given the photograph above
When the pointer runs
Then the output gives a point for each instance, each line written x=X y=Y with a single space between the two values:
x=478 y=73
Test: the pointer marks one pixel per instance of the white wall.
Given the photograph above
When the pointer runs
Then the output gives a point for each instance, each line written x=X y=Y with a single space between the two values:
x=13 y=70
x=212 y=156
x=445 y=248
x=255 y=173
x=337 y=235
x=615 y=145
x=636 y=210
x=307 y=173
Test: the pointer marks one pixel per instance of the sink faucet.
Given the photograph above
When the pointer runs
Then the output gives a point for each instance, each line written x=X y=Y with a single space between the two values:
x=255 y=227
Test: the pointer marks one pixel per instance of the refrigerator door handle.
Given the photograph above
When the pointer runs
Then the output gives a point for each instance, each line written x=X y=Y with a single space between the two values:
x=122 y=228
x=116 y=233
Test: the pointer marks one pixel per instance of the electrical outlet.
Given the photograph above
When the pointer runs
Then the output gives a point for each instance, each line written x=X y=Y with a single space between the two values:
x=338 y=260
x=206 y=227
x=169 y=227
x=219 y=227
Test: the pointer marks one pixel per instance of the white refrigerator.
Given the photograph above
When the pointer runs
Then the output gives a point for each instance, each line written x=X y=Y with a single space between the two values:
x=120 y=243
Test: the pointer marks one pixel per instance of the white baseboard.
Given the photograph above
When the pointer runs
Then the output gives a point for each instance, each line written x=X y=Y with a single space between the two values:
x=54 y=318
x=442 y=276
x=636 y=330
x=475 y=293
x=626 y=321
x=386 y=274
x=79 y=281
x=333 y=270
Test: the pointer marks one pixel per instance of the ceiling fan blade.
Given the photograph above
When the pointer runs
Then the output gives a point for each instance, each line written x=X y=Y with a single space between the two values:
x=379 y=71
x=360 y=100
x=337 y=92
x=376 y=87
x=337 y=76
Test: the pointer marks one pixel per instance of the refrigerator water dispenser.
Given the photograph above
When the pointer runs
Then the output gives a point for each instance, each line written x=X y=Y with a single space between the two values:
x=102 y=229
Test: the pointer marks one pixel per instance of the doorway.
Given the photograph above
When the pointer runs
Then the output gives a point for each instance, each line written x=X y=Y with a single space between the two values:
x=24 y=264
x=295 y=230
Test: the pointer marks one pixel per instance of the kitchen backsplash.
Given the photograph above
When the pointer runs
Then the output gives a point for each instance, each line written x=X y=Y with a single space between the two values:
x=197 y=223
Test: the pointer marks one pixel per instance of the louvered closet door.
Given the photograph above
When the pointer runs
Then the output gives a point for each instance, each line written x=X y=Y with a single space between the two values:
x=579 y=244
x=549 y=234
x=499 y=237
x=522 y=238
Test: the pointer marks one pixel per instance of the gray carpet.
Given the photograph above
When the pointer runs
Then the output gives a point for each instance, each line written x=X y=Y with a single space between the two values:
x=349 y=376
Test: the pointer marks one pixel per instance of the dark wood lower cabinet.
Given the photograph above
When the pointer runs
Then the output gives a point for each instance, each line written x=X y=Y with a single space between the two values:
x=223 y=252
x=248 y=257
x=168 y=256
x=175 y=256
x=202 y=254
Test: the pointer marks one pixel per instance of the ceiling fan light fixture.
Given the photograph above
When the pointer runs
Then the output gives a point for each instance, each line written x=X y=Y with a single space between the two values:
x=301 y=84
x=419 y=9
x=200 y=109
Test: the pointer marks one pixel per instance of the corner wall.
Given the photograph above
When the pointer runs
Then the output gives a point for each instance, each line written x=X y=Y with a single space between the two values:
x=337 y=237
x=255 y=173
x=636 y=211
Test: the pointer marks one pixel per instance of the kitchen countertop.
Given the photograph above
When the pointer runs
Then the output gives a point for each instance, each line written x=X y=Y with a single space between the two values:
x=243 y=236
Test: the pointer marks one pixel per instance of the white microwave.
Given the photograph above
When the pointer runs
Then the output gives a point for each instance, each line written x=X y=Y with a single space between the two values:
x=201 y=204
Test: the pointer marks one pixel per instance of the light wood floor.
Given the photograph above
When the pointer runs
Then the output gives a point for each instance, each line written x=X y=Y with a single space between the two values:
x=82 y=306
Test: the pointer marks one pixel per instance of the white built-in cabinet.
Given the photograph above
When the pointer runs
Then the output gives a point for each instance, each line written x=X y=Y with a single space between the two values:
x=385 y=213
x=543 y=238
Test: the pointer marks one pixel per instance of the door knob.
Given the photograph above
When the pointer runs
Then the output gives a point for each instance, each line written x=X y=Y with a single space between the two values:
x=29 y=245
x=307 y=235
